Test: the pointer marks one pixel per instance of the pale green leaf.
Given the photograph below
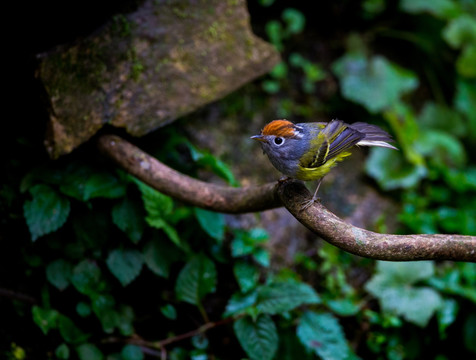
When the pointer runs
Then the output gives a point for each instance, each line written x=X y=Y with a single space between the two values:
x=132 y=352
x=466 y=60
x=46 y=212
x=89 y=352
x=197 y=278
x=375 y=83
x=62 y=351
x=322 y=334
x=258 y=338
x=125 y=264
x=46 y=319
x=439 y=8
x=241 y=303
x=246 y=274
x=460 y=31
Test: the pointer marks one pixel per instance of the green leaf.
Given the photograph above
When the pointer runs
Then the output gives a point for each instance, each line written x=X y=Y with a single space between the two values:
x=46 y=319
x=440 y=117
x=83 y=309
x=322 y=334
x=295 y=21
x=465 y=102
x=46 y=212
x=89 y=352
x=156 y=204
x=392 y=171
x=469 y=331
x=460 y=31
x=159 y=256
x=132 y=352
x=392 y=285
x=69 y=331
x=374 y=83
x=86 y=278
x=62 y=351
x=446 y=315
x=211 y=222
x=196 y=279
x=466 y=61
x=59 y=273
x=103 y=307
x=258 y=338
x=128 y=216
x=169 y=311
x=441 y=148
x=125 y=264
x=241 y=303
x=246 y=274
x=280 y=297
x=439 y=8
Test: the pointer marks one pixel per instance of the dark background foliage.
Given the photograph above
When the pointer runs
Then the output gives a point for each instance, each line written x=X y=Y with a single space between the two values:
x=92 y=260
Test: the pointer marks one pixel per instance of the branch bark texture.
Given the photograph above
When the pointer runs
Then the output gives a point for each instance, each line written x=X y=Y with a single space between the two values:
x=291 y=194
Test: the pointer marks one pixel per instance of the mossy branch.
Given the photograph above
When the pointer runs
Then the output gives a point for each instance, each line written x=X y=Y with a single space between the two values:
x=290 y=194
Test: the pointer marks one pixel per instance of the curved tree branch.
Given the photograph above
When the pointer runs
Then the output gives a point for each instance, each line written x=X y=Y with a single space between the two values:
x=291 y=194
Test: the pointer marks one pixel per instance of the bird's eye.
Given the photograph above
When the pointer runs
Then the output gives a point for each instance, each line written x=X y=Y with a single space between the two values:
x=278 y=140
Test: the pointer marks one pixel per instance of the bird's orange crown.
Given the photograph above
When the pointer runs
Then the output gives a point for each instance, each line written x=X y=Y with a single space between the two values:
x=279 y=128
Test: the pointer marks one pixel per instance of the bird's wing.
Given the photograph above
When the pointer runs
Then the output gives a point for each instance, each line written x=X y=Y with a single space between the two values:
x=335 y=138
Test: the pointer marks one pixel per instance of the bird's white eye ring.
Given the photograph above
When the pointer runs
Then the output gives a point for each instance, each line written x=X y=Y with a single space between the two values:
x=279 y=141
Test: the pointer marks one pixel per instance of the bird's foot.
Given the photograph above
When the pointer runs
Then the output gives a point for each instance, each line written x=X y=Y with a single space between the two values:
x=306 y=204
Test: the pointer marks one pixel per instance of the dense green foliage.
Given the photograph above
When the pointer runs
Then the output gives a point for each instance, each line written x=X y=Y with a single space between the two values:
x=98 y=265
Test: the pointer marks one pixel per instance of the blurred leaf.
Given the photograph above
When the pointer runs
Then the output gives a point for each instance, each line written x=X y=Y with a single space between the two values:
x=156 y=204
x=258 y=338
x=441 y=148
x=125 y=264
x=460 y=31
x=46 y=319
x=466 y=60
x=241 y=303
x=103 y=307
x=83 y=309
x=58 y=273
x=199 y=341
x=159 y=256
x=271 y=86
x=126 y=318
x=344 y=307
x=128 y=216
x=246 y=274
x=392 y=171
x=374 y=83
x=169 y=311
x=132 y=352
x=62 y=351
x=86 y=277
x=46 y=212
x=211 y=222
x=465 y=102
x=69 y=331
x=373 y=7
x=275 y=33
x=261 y=256
x=197 y=278
x=446 y=315
x=89 y=352
x=439 y=8
x=295 y=21
x=279 y=71
x=439 y=117
x=280 y=297
x=392 y=285
x=322 y=334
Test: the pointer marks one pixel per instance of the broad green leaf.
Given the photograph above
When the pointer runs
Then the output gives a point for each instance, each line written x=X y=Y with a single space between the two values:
x=344 y=307
x=70 y=332
x=89 y=352
x=295 y=21
x=392 y=171
x=440 y=8
x=258 y=338
x=62 y=351
x=46 y=212
x=211 y=222
x=132 y=352
x=322 y=334
x=441 y=148
x=245 y=241
x=246 y=274
x=374 y=83
x=83 y=309
x=446 y=315
x=392 y=285
x=440 y=117
x=59 y=273
x=159 y=256
x=46 y=319
x=103 y=307
x=125 y=264
x=460 y=31
x=170 y=231
x=86 y=278
x=129 y=217
x=156 y=204
x=169 y=311
x=279 y=297
x=196 y=279
x=465 y=102
x=261 y=256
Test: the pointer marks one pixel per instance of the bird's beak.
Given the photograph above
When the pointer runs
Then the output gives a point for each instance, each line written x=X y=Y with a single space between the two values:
x=259 y=138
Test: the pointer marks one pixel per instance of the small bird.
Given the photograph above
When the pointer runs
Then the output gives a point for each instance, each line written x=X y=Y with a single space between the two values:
x=308 y=151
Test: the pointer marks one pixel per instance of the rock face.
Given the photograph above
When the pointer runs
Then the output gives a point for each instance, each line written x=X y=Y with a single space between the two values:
x=145 y=69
